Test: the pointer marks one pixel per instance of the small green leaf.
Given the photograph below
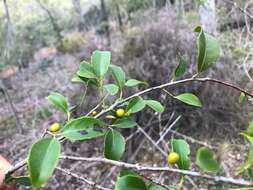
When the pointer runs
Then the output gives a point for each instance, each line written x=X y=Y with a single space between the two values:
x=23 y=180
x=183 y=149
x=134 y=82
x=130 y=182
x=208 y=50
x=42 y=160
x=77 y=79
x=206 y=161
x=125 y=122
x=114 y=145
x=100 y=61
x=82 y=129
x=86 y=70
x=189 y=99
x=112 y=89
x=155 y=105
x=118 y=75
x=242 y=97
x=58 y=101
x=249 y=162
x=136 y=104
x=181 y=67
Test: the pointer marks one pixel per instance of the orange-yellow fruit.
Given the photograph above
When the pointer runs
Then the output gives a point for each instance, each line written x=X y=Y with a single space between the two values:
x=120 y=112
x=94 y=113
x=55 y=127
x=173 y=157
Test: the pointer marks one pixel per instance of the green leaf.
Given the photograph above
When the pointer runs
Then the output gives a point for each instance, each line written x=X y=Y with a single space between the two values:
x=100 y=61
x=155 y=105
x=82 y=129
x=118 y=75
x=86 y=70
x=136 y=104
x=21 y=180
x=130 y=182
x=208 y=50
x=112 y=89
x=181 y=68
x=114 y=145
x=134 y=82
x=242 y=97
x=206 y=161
x=249 y=162
x=42 y=159
x=189 y=99
x=183 y=149
x=77 y=79
x=87 y=81
x=153 y=186
x=58 y=101
x=125 y=122
x=249 y=130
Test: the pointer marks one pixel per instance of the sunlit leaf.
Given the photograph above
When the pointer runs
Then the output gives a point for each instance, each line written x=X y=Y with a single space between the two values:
x=42 y=160
x=112 y=89
x=208 y=50
x=136 y=104
x=125 y=122
x=58 y=101
x=86 y=70
x=114 y=145
x=181 y=68
x=190 y=99
x=130 y=182
x=205 y=160
x=100 y=61
x=181 y=147
x=118 y=75
x=155 y=105
x=134 y=82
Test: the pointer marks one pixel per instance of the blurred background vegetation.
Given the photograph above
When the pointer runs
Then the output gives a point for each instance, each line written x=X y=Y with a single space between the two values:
x=43 y=41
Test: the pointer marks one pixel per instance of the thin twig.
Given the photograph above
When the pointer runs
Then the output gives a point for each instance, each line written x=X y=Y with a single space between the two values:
x=139 y=167
x=91 y=183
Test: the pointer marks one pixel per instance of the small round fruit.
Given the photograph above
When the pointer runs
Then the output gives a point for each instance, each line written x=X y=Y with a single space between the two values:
x=55 y=127
x=173 y=157
x=94 y=113
x=120 y=112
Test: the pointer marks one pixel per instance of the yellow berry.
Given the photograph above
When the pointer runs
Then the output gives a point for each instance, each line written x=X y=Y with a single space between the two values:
x=173 y=157
x=55 y=127
x=120 y=112
x=94 y=113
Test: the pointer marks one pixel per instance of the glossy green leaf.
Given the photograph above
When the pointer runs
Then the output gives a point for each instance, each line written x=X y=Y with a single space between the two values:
x=249 y=162
x=100 y=61
x=118 y=75
x=82 y=128
x=130 y=182
x=155 y=105
x=206 y=161
x=58 y=101
x=134 y=82
x=125 y=122
x=77 y=79
x=136 y=104
x=114 y=145
x=42 y=159
x=112 y=89
x=242 y=97
x=86 y=70
x=190 y=99
x=208 y=50
x=181 y=68
x=183 y=149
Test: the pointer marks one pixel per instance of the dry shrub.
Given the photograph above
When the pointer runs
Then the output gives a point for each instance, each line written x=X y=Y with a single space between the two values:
x=151 y=54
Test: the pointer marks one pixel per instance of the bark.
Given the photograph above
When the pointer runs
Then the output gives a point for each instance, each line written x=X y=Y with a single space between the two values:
x=104 y=19
x=207 y=16
x=52 y=20
x=79 y=13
